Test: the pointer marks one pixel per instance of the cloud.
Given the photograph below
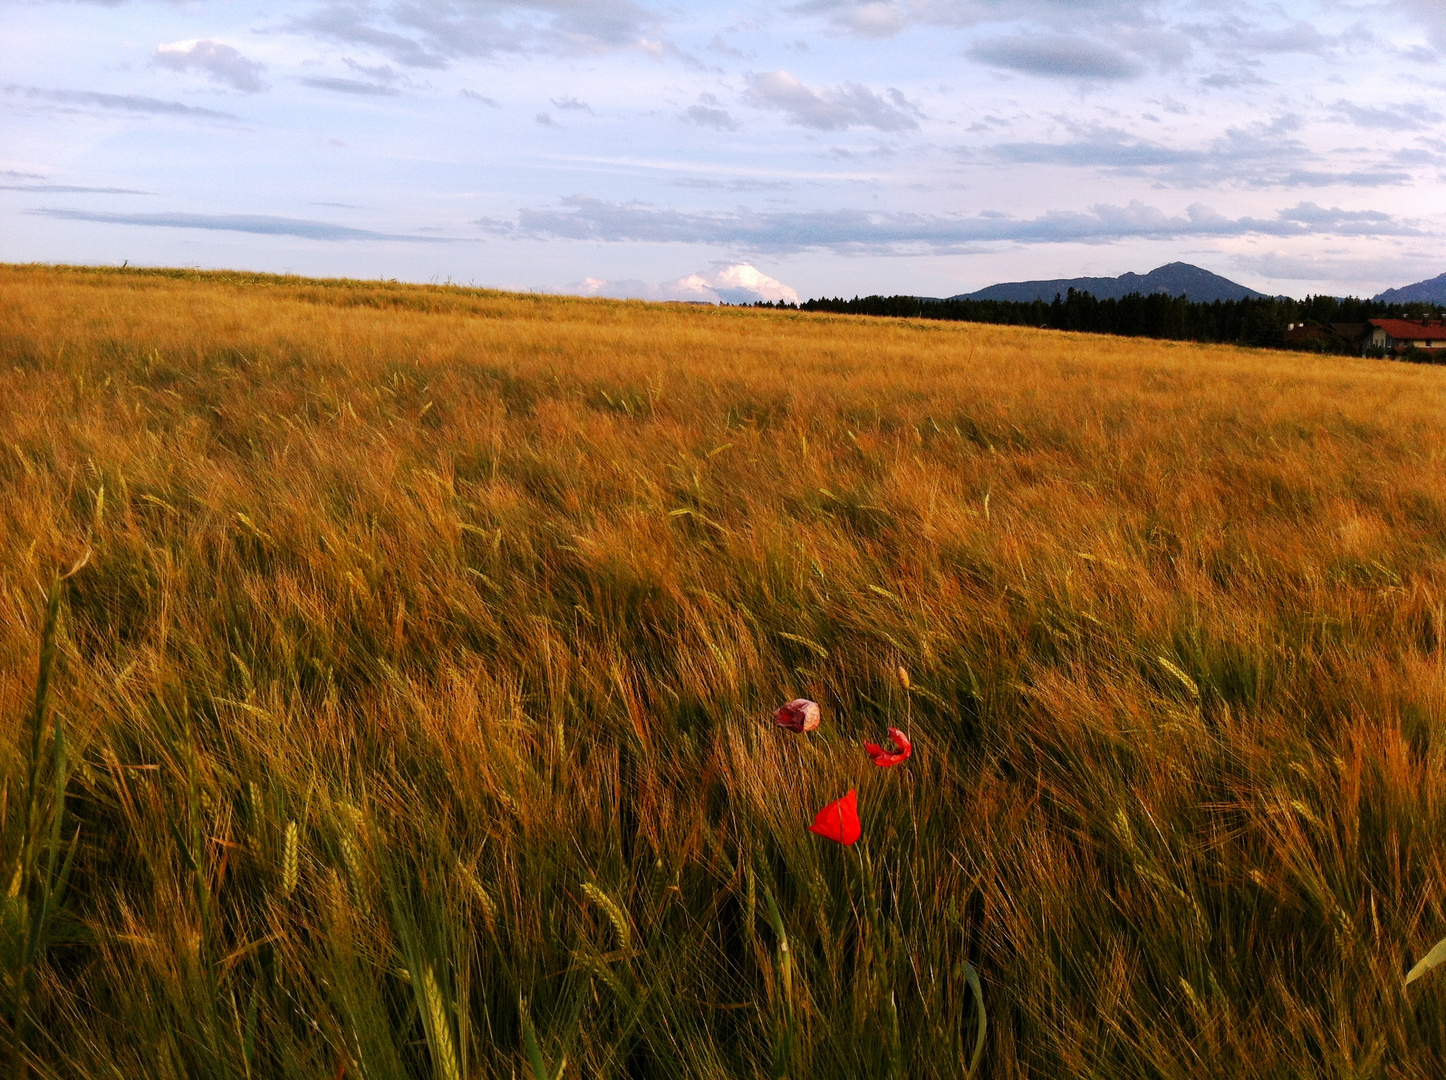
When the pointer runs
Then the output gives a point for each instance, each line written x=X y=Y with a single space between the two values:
x=545 y=120
x=1394 y=267
x=1235 y=37
x=219 y=63
x=123 y=102
x=1057 y=57
x=348 y=24
x=1111 y=149
x=884 y=18
x=72 y=189
x=741 y=183
x=722 y=48
x=1431 y=15
x=706 y=115
x=570 y=103
x=872 y=19
x=376 y=72
x=1074 y=39
x=1056 y=49
x=1232 y=80
x=434 y=33
x=261 y=224
x=738 y=283
x=472 y=95
x=581 y=217
x=849 y=105
x=1418 y=54
x=350 y=86
x=1260 y=155
x=1388 y=117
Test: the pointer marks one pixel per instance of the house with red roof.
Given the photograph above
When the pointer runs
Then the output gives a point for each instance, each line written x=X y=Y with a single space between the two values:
x=1396 y=335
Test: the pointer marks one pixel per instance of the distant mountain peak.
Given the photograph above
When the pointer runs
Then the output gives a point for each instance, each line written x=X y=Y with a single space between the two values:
x=1174 y=279
x=1430 y=291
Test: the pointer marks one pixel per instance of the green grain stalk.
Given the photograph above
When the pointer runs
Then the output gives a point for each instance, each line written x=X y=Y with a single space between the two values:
x=37 y=893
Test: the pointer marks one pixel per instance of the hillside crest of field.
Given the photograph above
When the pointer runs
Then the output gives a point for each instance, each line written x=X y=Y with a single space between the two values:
x=415 y=682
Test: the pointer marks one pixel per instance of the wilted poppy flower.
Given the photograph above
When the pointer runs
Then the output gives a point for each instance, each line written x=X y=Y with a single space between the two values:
x=799 y=715
x=839 y=820
x=884 y=758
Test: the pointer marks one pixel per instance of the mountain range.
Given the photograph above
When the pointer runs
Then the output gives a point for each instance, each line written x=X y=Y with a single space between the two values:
x=1431 y=291
x=1175 y=279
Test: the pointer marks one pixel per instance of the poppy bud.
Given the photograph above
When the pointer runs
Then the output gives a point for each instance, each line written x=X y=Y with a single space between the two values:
x=798 y=715
x=903 y=676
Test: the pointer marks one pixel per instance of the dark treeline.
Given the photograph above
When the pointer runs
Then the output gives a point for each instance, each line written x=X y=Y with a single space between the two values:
x=1259 y=322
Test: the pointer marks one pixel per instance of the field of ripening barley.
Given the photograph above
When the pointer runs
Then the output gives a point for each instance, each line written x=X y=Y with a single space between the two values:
x=395 y=683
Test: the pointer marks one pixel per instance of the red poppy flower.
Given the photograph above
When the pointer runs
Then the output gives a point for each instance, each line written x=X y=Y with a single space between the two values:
x=798 y=715
x=884 y=758
x=839 y=820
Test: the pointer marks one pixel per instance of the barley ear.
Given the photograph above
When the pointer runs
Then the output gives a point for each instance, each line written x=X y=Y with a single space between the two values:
x=1188 y=683
x=289 y=860
x=616 y=915
x=484 y=898
x=444 y=1050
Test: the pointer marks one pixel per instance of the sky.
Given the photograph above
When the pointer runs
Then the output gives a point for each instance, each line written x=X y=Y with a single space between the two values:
x=731 y=152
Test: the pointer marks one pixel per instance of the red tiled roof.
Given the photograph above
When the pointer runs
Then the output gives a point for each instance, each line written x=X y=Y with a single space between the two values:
x=1408 y=330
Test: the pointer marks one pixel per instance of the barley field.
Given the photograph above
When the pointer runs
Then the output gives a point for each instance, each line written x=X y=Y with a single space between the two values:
x=387 y=678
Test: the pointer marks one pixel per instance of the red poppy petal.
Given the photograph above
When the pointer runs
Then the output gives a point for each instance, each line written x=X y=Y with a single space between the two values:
x=839 y=820
x=885 y=758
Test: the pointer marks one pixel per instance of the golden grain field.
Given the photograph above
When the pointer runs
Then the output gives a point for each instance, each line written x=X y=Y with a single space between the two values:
x=410 y=710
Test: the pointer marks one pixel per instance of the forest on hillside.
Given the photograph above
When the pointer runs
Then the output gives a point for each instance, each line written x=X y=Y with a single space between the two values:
x=1258 y=322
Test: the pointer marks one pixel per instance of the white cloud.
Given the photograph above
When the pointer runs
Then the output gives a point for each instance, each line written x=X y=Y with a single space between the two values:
x=1258 y=155
x=350 y=86
x=835 y=109
x=707 y=114
x=1405 y=117
x=738 y=283
x=883 y=18
x=435 y=33
x=259 y=224
x=133 y=103
x=216 y=61
x=862 y=232
x=1058 y=57
x=1432 y=16
x=872 y=19
x=1337 y=265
